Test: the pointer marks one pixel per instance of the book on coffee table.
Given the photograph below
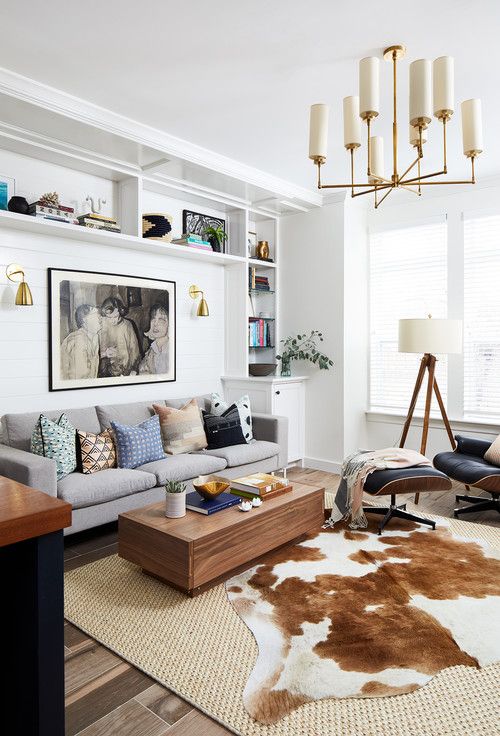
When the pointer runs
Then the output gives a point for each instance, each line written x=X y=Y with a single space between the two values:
x=265 y=496
x=194 y=502
x=259 y=484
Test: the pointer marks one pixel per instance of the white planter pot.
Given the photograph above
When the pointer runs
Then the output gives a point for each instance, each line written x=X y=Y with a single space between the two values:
x=175 y=505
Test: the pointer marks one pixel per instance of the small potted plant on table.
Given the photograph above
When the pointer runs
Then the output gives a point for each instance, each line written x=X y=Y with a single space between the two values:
x=175 y=499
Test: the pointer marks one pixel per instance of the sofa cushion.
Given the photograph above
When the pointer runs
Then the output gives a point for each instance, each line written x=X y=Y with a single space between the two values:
x=184 y=467
x=17 y=428
x=95 y=452
x=139 y=444
x=133 y=413
x=465 y=468
x=248 y=453
x=492 y=454
x=55 y=440
x=82 y=490
x=224 y=430
x=181 y=429
x=218 y=406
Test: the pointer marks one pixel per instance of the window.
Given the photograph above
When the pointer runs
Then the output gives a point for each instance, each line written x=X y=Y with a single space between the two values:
x=408 y=278
x=482 y=316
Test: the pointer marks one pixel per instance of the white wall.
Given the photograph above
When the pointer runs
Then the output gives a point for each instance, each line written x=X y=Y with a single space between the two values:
x=24 y=330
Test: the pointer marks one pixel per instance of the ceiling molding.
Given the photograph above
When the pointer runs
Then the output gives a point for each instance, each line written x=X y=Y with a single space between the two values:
x=50 y=98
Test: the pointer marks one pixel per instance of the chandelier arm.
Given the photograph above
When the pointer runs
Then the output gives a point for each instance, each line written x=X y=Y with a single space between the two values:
x=394 y=118
x=352 y=172
x=445 y=167
x=368 y=123
x=377 y=204
x=418 y=179
x=409 y=189
x=410 y=167
x=375 y=189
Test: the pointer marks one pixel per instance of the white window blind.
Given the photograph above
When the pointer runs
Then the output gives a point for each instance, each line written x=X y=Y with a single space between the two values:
x=482 y=316
x=407 y=279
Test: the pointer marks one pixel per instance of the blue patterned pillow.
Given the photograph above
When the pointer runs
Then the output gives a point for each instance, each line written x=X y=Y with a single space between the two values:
x=55 y=440
x=138 y=445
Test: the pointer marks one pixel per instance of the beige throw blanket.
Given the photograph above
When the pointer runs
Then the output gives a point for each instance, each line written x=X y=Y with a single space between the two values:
x=356 y=468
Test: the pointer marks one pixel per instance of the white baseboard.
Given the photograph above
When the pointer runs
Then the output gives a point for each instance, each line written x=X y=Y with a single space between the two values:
x=316 y=463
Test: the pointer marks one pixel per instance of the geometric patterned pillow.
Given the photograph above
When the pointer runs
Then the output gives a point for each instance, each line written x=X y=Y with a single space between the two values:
x=97 y=451
x=138 y=445
x=55 y=440
x=219 y=406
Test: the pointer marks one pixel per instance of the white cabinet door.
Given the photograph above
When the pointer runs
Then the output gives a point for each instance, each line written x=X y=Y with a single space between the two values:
x=288 y=401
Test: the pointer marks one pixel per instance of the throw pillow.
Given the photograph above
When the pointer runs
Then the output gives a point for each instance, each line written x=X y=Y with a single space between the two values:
x=492 y=454
x=219 y=406
x=55 y=440
x=224 y=430
x=138 y=445
x=181 y=429
x=95 y=451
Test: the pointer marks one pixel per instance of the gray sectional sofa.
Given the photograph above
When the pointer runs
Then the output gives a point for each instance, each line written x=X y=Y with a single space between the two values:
x=99 y=497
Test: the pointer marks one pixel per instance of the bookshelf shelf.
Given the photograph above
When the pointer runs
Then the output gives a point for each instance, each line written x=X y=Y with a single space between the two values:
x=261 y=347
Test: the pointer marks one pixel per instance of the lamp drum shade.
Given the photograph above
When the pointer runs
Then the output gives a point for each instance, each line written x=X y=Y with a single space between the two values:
x=430 y=336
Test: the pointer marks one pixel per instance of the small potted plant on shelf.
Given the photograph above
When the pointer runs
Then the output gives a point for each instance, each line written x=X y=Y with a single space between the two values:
x=175 y=499
x=303 y=347
x=216 y=237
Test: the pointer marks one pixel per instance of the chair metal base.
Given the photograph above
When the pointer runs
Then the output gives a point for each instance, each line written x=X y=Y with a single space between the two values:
x=478 y=503
x=398 y=512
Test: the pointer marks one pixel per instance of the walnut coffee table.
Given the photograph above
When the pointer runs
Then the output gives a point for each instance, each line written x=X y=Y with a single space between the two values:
x=197 y=551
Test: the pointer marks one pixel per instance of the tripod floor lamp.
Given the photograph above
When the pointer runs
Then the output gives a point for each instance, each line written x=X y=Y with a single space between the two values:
x=428 y=336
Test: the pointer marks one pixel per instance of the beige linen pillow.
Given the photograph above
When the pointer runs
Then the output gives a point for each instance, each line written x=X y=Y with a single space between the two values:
x=492 y=454
x=181 y=429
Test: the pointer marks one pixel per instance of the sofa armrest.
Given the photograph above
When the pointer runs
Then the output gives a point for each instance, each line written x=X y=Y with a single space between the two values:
x=32 y=470
x=471 y=445
x=273 y=429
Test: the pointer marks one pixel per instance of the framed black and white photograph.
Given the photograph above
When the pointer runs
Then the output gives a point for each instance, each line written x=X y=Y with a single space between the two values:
x=109 y=330
x=195 y=223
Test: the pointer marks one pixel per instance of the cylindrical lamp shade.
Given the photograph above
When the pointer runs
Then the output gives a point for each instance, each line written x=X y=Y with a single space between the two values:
x=443 y=82
x=413 y=136
x=318 y=131
x=376 y=158
x=420 y=91
x=369 y=98
x=352 y=122
x=430 y=336
x=472 y=127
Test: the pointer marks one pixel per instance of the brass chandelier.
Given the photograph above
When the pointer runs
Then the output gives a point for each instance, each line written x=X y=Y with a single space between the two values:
x=431 y=92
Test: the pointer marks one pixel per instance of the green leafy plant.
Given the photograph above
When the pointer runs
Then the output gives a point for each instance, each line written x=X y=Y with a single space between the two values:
x=305 y=347
x=216 y=233
x=174 y=486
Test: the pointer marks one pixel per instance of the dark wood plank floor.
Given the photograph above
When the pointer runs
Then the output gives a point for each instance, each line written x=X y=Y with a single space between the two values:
x=106 y=696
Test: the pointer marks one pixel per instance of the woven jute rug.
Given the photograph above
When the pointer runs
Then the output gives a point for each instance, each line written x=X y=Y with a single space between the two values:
x=201 y=649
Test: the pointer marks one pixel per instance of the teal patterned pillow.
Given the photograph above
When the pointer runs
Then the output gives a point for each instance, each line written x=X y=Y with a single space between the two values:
x=55 y=440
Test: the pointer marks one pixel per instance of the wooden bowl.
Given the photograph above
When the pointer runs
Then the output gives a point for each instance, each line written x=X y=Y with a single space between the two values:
x=210 y=486
x=261 y=369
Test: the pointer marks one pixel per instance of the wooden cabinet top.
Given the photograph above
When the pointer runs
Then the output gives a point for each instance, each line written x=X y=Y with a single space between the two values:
x=26 y=513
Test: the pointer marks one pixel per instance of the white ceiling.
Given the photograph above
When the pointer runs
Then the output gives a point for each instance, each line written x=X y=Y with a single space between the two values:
x=238 y=77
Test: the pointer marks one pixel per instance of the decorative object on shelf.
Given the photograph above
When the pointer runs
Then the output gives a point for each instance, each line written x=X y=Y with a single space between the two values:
x=19 y=205
x=303 y=347
x=245 y=505
x=427 y=98
x=428 y=336
x=260 y=333
x=15 y=272
x=175 y=499
x=7 y=187
x=95 y=210
x=251 y=243
x=216 y=236
x=50 y=199
x=256 y=502
x=97 y=221
x=48 y=207
x=210 y=486
x=202 y=310
x=257 y=283
x=193 y=241
x=262 y=252
x=97 y=339
x=157 y=226
x=195 y=223
x=261 y=369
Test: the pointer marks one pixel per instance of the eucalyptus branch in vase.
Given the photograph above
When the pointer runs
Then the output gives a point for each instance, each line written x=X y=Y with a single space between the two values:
x=303 y=347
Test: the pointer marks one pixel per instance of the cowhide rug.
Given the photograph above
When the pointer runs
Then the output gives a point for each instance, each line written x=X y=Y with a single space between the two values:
x=353 y=614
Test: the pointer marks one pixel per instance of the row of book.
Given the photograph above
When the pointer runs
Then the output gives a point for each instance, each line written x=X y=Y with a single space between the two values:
x=257 y=283
x=257 y=485
x=193 y=241
x=259 y=333
x=64 y=213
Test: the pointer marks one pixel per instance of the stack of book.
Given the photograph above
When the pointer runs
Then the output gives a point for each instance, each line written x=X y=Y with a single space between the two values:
x=99 y=222
x=194 y=502
x=59 y=212
x=259 y=333
x=257 y=283
x=259 y=485
x=193 y=241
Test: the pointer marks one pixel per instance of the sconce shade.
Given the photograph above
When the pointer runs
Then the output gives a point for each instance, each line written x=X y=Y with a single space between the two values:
x=430 y=336
x=203 y=308
x=24 y=297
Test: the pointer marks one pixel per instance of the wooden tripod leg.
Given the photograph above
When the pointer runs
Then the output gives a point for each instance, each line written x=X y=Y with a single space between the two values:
x=413 y=402
x=444 y=415
x=428 y=398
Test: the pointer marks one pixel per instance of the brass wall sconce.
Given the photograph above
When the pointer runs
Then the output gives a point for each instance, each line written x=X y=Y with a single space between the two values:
x=202 y=306
x=15 y=272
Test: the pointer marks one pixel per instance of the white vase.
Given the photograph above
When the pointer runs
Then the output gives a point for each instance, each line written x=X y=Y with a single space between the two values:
x=175 y=505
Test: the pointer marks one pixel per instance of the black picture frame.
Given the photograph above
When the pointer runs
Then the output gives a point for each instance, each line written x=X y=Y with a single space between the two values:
x=163 y=292
x=196 y=222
